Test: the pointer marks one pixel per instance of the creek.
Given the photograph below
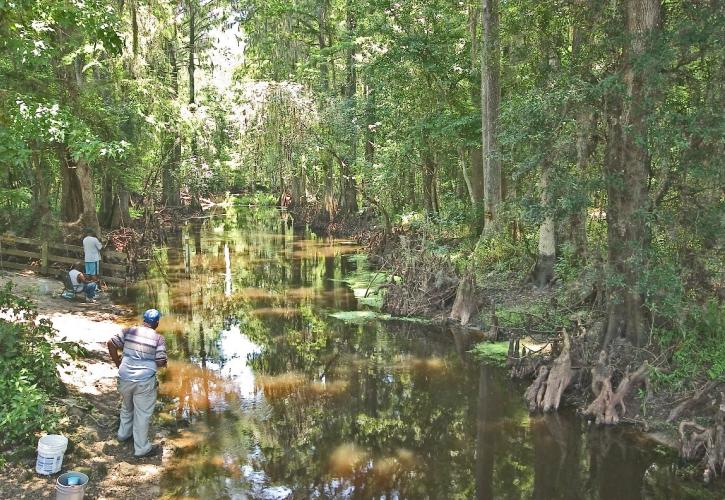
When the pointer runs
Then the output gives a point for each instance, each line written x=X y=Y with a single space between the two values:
x=272 y=397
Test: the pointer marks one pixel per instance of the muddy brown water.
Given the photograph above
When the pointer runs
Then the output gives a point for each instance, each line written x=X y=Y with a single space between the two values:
x=277 y=399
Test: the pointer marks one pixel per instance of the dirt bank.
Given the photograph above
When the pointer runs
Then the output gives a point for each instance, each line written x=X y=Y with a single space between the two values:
x=90 y=407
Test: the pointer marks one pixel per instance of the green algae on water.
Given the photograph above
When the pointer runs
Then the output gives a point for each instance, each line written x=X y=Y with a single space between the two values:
x=367 y=315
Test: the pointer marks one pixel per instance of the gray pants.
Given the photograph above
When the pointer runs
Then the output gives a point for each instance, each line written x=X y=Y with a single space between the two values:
x=137 y=407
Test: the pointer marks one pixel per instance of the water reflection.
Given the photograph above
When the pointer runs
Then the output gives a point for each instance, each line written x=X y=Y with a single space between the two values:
x=276 y=399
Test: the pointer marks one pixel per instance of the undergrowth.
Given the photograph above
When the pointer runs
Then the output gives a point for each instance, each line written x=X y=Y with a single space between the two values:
x=28 y=375
x=699 y=348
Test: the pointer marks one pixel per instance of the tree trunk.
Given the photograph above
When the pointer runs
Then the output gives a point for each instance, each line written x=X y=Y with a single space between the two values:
x=474 y=176
x=106 y=200
x=708 y=445
x=465 y=304
x=627 y=173
x=41 y=196
x=323 y=66
x=585 y=145
x=85 y=180
x=79 y=199
x=192 y=50
x=463 y=161
x=585 y=123
x=71 y=201
x=429 y=178
x=328 y=170
x=609 y=404
x=548 y=387
x=329 y=202
x=120 y=216
x=370 y=119
x=348 y=202
x=134 y=25
x=194 y=186
x=544 y=270
x=170 y=196
x=491 y=96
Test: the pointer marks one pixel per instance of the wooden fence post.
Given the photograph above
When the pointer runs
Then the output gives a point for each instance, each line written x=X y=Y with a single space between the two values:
x=44 y=257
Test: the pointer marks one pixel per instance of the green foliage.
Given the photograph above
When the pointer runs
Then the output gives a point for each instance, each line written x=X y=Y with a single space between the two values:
x=256 y=200
x=699 y=347
x=504 y=253
x=492 y=352
x=28 y=376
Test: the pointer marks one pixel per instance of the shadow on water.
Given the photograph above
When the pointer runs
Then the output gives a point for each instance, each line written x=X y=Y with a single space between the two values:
x=277 y=399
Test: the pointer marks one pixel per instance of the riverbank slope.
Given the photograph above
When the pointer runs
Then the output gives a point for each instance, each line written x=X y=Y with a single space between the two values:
x=90 y=406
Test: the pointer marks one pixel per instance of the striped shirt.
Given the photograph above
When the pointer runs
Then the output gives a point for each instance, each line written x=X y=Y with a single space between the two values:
x=142 y=349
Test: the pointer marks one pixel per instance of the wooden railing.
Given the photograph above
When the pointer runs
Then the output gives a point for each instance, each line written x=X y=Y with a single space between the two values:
x=29 y=253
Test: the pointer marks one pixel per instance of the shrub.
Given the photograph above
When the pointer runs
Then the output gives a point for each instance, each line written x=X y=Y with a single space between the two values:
x=699 y=348
x=28 y=376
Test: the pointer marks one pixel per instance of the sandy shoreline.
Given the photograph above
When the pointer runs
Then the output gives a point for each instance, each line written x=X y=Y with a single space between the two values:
x=90 y=408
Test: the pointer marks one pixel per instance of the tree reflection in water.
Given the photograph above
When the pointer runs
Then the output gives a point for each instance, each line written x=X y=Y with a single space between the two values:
x=276 y=399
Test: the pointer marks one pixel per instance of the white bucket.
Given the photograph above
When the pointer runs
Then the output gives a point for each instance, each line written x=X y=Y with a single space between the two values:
x=71 y=486
x=50 y=454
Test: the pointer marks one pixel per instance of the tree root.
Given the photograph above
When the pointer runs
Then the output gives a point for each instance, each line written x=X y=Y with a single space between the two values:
x=605 y=409
x=535 y=393
x=522 y=362
x=708 y=445
x=698 y=398
x=546 y=391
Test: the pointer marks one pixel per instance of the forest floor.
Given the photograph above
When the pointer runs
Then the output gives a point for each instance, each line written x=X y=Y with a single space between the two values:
x=89 y=408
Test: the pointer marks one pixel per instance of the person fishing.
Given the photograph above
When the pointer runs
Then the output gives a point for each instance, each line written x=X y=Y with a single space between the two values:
x=79 y=282
x=92 y=253
x=144 y=352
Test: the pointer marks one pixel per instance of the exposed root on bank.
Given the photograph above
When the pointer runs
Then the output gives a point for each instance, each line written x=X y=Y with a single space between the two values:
x=608 y=406
x=700 y=396
x=706 y=445
x=466 y=304
x=548 y=387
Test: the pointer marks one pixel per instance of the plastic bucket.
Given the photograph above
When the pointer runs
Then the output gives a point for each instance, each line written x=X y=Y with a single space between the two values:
x=50 y=454
x=71 y=486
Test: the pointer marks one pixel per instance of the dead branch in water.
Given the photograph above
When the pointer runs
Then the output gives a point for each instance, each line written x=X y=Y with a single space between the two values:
x=428 y=282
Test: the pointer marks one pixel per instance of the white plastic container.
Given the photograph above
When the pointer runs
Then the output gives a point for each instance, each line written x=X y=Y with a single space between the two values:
x=64 y=490
x=51 y=449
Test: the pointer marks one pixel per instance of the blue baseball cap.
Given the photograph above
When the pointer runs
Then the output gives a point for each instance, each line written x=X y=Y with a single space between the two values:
x=151 y=317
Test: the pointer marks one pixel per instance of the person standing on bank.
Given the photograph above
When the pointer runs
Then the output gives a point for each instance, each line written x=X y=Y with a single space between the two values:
x=92 y=249
x=144 y=352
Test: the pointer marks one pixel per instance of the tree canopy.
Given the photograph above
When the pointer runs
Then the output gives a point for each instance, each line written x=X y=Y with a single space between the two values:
x=591 y=130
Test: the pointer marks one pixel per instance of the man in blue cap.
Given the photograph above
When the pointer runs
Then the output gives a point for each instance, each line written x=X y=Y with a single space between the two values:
x=144 y=352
